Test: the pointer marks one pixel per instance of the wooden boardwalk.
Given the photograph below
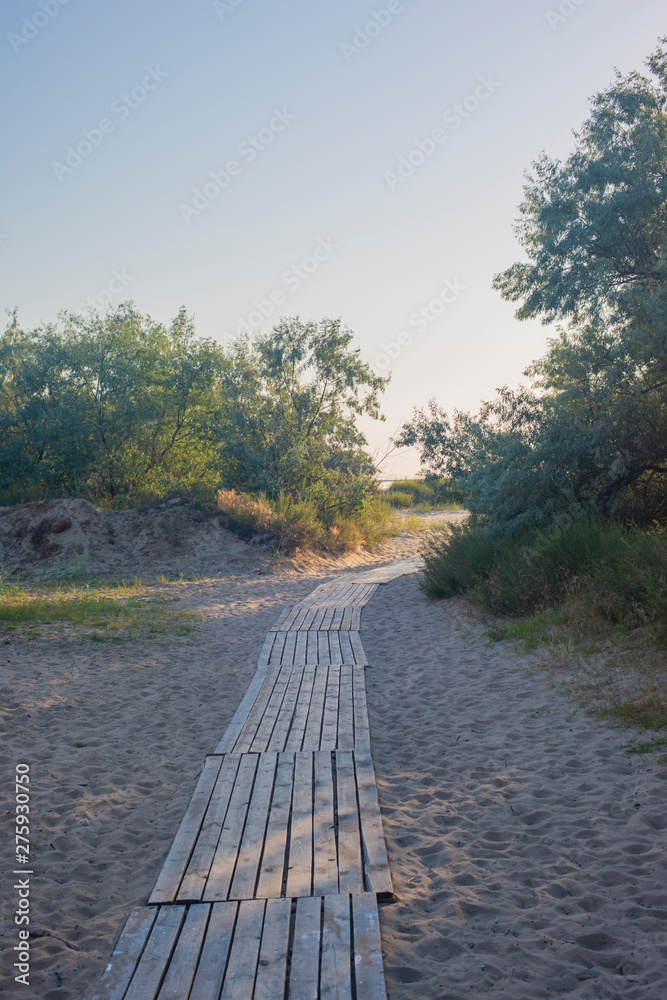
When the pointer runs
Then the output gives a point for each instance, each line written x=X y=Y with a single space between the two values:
x=270 y=890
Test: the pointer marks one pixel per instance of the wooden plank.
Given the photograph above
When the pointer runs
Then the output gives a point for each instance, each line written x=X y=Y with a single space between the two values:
x=323 y=647
x=183 y=964
x=347 y=656
x=228 y=741
x=278 y=647
x=154 y=961
x=214 y=955
x=300 y=715
x=325 y=862
x=359 y=653
x=346 y=624
x=287 y=709
x=304 y=971
x=250 y=851
x=222 y=868
x=313 y=731
x=260 y=743
x=335 y=652
x=356 y=618
x=244 y=954
x=256 y=712
x=350 y=874
x=300 y=859
x=127 y=953
x=272 y=968
x=362 y=735
x=336 y=619
x=287 y=655
x=177 y=860
x=367 y=948
x=327 y=618
x=266 y=650
x=194 y=881
x=312 y=650
x=272 y=867
x=301 y=647
x=317 y=619
x=329 y=735
x=376 y=864
x=345 y=738
x=336 y=972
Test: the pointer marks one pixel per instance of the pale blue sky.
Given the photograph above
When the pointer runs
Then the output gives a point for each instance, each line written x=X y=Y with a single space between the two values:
x=332 y=123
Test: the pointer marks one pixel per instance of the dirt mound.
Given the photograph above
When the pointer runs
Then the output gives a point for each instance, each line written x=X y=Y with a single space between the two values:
x=62 y=538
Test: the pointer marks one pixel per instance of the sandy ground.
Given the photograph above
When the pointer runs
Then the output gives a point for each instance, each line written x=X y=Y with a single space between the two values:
x=527 y=849
x=104 y=815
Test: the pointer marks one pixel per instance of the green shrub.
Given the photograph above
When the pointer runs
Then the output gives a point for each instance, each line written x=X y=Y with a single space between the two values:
x=433 y=491
x=397 y=499
x=599 y=568
x=300 y=524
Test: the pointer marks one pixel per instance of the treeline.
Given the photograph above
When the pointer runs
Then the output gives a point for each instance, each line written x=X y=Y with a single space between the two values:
x=122 y=410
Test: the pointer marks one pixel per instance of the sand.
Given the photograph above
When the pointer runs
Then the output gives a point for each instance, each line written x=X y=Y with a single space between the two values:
x=527 y=848
x=521 y=837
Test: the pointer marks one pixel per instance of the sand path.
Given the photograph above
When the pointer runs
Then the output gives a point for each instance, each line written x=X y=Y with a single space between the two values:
x=527 y=849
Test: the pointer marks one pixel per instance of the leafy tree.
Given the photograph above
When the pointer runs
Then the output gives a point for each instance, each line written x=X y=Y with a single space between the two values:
x=593 y=430
x=117 y=408
x=292 y=400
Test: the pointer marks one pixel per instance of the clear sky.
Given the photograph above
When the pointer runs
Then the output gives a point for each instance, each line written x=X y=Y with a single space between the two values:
x=354 y=159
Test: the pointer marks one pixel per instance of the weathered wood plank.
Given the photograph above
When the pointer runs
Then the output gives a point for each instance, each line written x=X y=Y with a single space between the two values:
x=329 y=735
x=287 y=655
x=301 y=648
x=325 y=866
x=347 y=655
x=228 y=741
x=222 y=869
x=297 y=730
x=300 y=863
x=304 y=972
x=362 y=734
x=256 y=712
x=376 y=864
x=183 y=964
x=154 y=961
x=345 y=736
x=196 y=875
x=272 y=967
x=214 y=955
x=260 y=742
x=127 y=953
x=350 y=877
x=323 y=648
x=272 y=867
x=312 y=649
x=313 y=732
x=250 y=851
x=368 y=971
x=244 y=954
x=177 y=860
x=358 y=650
x=336 y=973
x=287 y=710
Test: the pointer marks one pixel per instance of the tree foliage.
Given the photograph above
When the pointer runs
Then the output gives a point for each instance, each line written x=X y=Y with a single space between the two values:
x=293 y=398
x=121 y=409
x=592 y=430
